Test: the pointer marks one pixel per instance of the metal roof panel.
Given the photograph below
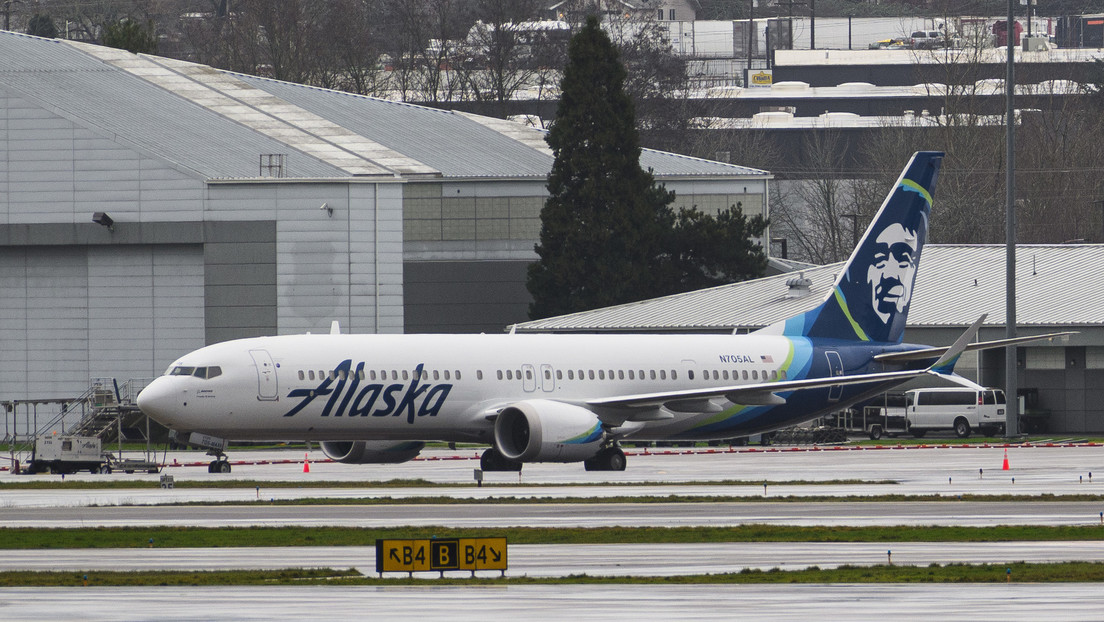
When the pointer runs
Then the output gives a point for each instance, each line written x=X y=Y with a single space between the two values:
x=1056 y=285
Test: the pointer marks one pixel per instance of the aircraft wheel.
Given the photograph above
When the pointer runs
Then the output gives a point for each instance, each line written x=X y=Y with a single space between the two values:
x=615 y=460
x=105 y=469
x=609 y=459
x=492 y=460
x=223 y=466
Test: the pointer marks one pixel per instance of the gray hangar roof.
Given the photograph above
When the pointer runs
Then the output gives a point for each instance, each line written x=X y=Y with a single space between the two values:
x=1056 y=285
x=217 y=123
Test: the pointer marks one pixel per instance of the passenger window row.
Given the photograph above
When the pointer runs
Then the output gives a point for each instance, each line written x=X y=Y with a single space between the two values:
x=527 y=374
x=742 y=374
x=382 y=375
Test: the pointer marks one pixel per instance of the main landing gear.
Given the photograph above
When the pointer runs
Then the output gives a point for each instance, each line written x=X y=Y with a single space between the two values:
x=608 y=459
x=492 y=460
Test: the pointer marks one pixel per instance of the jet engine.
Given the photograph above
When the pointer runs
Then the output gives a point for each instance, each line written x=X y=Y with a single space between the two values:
x=547 y=431
x=372 y=452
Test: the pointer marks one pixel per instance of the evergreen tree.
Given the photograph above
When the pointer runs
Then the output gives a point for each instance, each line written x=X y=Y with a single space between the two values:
x=716 y=250
x=608 y=233
x=606 y=223
x=130 y=36
x=42 y=26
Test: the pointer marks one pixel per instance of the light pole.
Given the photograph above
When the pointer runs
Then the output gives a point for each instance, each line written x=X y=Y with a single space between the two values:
x=751 y=31
x=812 y=24
x=1012 y=421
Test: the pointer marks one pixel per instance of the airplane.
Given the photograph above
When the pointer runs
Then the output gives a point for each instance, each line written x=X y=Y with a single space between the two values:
x=574 y=398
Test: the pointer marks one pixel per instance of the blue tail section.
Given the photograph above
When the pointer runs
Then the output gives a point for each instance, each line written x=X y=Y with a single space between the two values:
x=870 y=299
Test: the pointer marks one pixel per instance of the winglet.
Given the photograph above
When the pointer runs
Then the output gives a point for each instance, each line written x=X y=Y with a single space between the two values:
x=946 y=363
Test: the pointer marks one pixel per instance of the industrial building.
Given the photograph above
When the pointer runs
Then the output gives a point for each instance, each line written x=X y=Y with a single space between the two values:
x=150 y=206
x=1062 y=380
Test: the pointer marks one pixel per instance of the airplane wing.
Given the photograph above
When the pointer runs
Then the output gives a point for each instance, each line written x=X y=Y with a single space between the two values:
x=645 y=406
x=766 y=393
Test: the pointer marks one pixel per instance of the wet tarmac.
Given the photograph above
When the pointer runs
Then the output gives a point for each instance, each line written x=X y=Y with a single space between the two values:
x=947 y=472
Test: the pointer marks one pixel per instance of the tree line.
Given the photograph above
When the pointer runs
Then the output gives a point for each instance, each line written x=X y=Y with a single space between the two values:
x=439 y=51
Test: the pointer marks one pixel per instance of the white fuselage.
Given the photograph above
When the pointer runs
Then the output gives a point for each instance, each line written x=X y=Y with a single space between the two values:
x=363 y=387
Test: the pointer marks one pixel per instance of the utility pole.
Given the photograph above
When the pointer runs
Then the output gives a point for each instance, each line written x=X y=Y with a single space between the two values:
x=1012 y=407
x=751 y=34
x=812 y=24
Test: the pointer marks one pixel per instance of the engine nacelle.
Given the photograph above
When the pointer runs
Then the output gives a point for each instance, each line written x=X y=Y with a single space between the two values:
x=547 y=431
x=372 y=452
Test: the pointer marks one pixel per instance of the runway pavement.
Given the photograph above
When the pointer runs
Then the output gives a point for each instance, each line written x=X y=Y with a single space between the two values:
x=855 y=513
x=947 y=472
x=1012 y=602
x=911 y=471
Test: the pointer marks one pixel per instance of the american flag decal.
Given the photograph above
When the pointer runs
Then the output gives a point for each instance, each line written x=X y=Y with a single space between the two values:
x=766 y=358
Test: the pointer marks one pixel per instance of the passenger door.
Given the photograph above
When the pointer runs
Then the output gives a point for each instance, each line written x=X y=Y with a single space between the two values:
x=548 y=378
x=528 y=378
x=267 y=383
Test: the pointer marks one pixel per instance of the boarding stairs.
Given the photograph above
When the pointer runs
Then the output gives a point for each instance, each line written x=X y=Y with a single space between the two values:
x=107 y=410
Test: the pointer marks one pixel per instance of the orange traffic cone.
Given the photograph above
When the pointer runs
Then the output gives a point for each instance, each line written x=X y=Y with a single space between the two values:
x=1004 y=467
x=306 y=463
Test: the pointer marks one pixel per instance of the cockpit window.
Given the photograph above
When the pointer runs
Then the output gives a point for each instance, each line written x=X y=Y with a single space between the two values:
x=211 y=372
x=199 y=372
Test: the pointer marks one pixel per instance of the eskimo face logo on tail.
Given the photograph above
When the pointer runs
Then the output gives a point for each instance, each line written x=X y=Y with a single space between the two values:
x=891 y=273
x=348 y=398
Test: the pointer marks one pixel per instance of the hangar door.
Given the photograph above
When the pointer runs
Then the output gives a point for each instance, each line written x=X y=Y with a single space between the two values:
x=68 y=314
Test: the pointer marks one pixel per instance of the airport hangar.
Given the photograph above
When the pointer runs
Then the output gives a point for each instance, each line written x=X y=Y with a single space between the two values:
x=233 y=206
x=1058 y=289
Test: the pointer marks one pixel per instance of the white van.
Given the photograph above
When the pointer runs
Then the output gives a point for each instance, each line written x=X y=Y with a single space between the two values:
x=960 y=409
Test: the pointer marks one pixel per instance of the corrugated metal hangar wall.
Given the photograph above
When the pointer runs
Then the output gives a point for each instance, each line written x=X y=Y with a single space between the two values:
x=240 y=206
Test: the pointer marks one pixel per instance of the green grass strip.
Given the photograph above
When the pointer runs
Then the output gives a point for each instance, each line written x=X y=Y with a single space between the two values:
x=207 y=537
x=536 y=500
x=1080 y=572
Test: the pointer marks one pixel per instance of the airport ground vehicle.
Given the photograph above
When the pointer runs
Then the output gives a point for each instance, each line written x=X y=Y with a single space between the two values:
x=72 y=454
x=883 y=417
x=66 y=454
x=887 y=416
x=961 y=409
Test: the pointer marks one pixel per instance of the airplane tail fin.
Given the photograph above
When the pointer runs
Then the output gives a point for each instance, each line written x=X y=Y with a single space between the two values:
x=870 y=298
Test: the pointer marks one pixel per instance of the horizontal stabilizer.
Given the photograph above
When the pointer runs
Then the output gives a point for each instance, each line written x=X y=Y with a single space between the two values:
x=927 y=354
